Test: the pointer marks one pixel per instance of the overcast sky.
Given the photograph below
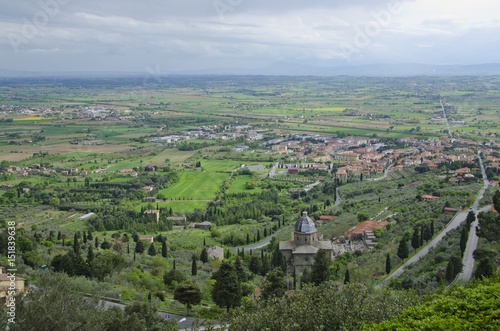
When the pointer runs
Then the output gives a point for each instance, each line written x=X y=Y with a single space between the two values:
x=172 y=35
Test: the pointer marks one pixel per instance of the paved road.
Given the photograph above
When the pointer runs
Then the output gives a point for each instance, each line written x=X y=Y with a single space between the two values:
x=446 y=119
x=262 y=243
x=310 y=186
x=455 y=222
x=273 y=170
x=187 y=322
x=386 y=173
x=468 y=260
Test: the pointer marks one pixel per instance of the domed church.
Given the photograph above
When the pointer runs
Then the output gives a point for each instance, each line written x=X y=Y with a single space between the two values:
x=306 y=241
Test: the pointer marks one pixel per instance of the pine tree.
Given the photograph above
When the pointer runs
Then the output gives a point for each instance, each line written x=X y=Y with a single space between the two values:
x=484 y=269
x=204 y=255
x=347 y=278
x=388 y=266
x=194 y=268
x=320 y=270
x=227 y=289
x=139 y=247
x=152 y=250
x=403 y=252
x=164 y=250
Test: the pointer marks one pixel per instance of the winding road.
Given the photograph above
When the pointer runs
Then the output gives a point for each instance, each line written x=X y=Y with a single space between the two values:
x=455 y=222
x=262 y=243
x=468 y=260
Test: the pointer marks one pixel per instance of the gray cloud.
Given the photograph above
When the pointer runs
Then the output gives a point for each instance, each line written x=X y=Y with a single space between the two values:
x=129 y=35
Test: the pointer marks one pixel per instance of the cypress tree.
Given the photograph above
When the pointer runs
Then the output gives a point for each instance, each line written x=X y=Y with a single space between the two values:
x=415 y=239
x=432 y=228
x=254 y=264
x=388 y=266
x=96 y=242
x=258 y=235
x=76 y=245
x=59 y=235
x=265 y=232
x=194 y=268
x=347 y=278
x=427 y=232
x=450 y=272
x=248 y=239
x=204 y=242
x=463 y=241
x=128 y=248
x=164 y=249
x=89 y=235
x=84 y=237
x=174 y=265
x=204 y=255
x=242 y=276
x=266 y=266
x=422 y=235
x=90 y=254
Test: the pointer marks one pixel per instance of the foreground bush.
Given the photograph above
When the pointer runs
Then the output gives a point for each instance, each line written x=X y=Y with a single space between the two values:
x=325 y=307
x=474 y=308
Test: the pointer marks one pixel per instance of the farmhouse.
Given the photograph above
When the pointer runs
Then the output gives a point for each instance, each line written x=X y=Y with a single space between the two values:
x=6 y=281
x=150 y=239
x=427 y=197
x=306 y=242
x=149 y=199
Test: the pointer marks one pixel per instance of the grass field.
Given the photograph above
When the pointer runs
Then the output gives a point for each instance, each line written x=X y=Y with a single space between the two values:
x=195 y=185
x=239 y=185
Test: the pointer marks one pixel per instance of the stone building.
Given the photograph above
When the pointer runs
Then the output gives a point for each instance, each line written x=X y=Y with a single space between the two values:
x=306 y=241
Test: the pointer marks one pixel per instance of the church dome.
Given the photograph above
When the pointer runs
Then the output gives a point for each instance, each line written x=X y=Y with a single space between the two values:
x=305 y=224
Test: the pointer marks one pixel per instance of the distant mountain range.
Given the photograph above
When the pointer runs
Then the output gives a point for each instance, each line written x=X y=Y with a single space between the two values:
x=381 y=70
x=291 y=69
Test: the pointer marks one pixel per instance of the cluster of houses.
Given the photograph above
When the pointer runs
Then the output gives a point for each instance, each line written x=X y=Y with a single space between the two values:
x=37 y=169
